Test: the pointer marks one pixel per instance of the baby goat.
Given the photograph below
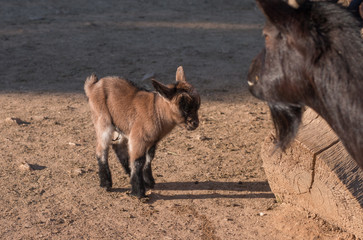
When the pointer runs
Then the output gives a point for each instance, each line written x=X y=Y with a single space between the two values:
x=141 y=119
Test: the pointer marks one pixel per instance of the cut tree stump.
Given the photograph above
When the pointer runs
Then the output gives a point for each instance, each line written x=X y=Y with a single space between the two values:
x=317 y=173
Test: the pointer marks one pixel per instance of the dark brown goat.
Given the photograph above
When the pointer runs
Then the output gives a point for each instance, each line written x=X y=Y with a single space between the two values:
x=141 y=119
x=313 y=56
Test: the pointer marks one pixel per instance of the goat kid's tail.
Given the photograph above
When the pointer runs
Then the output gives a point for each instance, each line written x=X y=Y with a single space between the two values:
x=89 y=83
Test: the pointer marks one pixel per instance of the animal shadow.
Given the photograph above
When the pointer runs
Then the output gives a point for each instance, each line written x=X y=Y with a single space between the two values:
x=219 y=190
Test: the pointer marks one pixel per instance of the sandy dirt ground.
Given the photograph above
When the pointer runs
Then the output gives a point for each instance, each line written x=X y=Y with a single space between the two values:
x=210 y=182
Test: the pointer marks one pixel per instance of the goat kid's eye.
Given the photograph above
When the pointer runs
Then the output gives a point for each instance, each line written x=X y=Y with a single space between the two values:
x=184 y=104
x=186 y=108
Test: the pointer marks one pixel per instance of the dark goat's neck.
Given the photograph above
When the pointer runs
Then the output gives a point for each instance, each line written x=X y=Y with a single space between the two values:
x=339 y=100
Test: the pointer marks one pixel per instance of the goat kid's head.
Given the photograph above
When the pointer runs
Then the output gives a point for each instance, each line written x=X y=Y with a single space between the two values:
x=183 y=98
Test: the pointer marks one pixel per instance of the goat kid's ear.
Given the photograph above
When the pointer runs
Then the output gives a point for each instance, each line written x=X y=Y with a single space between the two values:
x=280 y=11
x=180 y=76
x=164 y=91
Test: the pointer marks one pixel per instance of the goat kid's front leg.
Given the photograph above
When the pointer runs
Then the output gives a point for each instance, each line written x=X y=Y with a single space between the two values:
x=137 y=180
x=147 y=171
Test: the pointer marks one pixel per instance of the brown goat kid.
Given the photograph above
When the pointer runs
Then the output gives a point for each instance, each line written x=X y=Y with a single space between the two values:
x=141 y=119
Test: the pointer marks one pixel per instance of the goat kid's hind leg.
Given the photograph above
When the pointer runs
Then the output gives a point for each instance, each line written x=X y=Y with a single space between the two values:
x=104 y=137
x=147 y=171
x=122 y=154
x=104 y=172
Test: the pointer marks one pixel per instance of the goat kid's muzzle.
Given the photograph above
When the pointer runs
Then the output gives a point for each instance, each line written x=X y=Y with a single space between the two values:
x=191 y=125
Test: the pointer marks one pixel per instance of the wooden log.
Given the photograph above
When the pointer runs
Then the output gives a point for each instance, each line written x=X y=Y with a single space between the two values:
x=317 y=174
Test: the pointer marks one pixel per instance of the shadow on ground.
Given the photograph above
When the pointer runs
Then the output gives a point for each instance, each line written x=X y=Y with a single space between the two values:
x=238 y=189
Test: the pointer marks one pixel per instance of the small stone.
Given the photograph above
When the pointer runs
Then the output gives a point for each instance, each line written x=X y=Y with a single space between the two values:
x=78 y=171
x=27 y=225
x=25 y=167
x=16 y=120
x=8 y=119
x=74 y=144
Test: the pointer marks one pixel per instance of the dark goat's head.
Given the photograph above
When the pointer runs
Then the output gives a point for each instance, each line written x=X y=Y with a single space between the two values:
x=184 y=100
x=300 y=39
x=311 y=58
x=280 y=73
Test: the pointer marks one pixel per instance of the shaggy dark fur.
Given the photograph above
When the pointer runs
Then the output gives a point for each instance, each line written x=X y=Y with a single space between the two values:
x=313 y=56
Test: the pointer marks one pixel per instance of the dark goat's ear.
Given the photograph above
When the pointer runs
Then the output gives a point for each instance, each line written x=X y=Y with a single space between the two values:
x=280 y=11
x=164 y=91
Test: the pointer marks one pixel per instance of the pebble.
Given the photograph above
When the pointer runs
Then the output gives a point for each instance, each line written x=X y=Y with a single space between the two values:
x=79 y=172
x=25 y=167
x=74 y=144
x=16 y=120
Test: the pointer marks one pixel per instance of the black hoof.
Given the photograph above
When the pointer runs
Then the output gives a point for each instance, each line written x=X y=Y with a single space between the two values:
x=106 y=184
x=137 y=195
x=150 y=184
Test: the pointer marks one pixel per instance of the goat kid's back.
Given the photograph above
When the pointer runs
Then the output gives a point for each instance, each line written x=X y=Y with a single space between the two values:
x=117 y=102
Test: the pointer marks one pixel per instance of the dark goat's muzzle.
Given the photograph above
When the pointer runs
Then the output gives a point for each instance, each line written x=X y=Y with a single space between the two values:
x=254 y=75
